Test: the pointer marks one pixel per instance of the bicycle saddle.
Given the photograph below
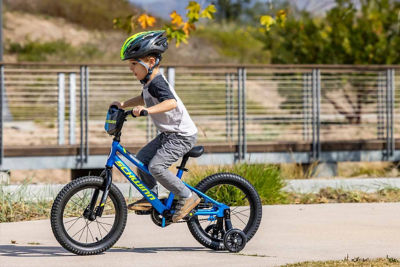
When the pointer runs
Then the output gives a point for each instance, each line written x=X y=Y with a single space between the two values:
x=195 y=152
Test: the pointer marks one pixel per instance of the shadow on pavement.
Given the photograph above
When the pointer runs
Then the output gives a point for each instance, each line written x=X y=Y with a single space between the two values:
x=32 y=251
x=47 y=251
x=178 y=249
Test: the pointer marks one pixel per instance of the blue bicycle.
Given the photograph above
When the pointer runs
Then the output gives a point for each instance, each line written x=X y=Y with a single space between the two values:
x=89 y=214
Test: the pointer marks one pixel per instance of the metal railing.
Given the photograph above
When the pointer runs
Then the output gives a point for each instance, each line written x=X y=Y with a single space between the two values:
x=231 y=104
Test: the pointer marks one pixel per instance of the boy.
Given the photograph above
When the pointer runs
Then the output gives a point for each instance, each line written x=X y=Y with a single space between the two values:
x=178 y=133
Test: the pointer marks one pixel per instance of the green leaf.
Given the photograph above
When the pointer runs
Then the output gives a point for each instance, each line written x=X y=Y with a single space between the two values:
x=208 y=12
x=193 y=13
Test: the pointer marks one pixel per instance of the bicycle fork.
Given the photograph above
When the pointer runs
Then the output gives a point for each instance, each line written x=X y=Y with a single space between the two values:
x=90 y=213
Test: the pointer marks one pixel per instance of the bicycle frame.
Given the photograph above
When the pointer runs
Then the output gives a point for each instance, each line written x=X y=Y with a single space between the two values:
x=114 y=160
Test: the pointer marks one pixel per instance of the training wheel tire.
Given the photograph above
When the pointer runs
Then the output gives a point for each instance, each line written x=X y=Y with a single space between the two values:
x=235 y=240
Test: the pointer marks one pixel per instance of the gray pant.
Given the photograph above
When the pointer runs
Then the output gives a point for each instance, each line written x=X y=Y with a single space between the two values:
x=159 y=155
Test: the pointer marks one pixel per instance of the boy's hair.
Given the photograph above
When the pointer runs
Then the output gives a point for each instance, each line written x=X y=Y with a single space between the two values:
x=153 y=55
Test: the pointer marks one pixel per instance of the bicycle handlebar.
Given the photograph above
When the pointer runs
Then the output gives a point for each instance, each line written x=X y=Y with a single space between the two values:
x=143 y=112
x=127 y=113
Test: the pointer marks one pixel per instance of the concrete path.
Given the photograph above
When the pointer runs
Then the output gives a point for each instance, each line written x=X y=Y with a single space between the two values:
x=288 y=234
x=369 y=185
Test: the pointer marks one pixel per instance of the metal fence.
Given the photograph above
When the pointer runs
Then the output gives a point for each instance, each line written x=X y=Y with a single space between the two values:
x=60 y=104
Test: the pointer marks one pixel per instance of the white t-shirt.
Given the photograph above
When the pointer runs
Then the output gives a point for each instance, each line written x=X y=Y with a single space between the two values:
x=176 y=120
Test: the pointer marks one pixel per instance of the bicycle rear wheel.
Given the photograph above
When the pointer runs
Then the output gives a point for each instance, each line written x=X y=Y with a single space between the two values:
x=243 y=200
x=80 y=233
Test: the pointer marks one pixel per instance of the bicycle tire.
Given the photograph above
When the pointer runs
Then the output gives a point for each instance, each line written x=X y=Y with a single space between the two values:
x=254 y=201
x=58 y=208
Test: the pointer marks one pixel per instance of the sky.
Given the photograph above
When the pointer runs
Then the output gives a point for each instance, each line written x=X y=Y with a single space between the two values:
x=162 y=8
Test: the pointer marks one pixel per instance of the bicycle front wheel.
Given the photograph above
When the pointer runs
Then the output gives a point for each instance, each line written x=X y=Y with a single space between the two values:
x=82 y=234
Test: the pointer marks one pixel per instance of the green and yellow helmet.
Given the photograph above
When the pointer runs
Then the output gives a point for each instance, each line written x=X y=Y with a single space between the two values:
x=144 y=43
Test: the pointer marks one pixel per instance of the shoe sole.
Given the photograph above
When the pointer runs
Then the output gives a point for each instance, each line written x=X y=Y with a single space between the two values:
x=139 y=208
x=187 y=210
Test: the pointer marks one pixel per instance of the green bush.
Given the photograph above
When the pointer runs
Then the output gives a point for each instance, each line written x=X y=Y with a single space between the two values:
x=238 y=43
x=265 y=178
x=59 y=50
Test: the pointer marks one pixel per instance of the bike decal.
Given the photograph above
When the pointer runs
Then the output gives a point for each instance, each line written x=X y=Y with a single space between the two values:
x=135 y=180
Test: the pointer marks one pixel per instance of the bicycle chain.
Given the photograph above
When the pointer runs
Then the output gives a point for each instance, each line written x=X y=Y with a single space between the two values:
x=200 y=220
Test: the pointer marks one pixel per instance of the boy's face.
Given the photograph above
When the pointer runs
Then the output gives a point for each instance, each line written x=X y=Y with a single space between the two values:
x=137 y=69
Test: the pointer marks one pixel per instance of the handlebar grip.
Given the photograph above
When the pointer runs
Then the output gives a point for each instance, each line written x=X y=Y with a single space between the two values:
x=142 y=113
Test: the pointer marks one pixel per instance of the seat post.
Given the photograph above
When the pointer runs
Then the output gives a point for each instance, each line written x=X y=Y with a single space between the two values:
x=183 y=163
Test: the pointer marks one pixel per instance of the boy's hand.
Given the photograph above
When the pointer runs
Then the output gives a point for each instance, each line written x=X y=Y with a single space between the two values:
x=118 y=104
x=136 y=111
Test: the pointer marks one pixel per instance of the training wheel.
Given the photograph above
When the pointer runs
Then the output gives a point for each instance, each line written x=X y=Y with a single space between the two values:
x=214 y=232
x=235 y=240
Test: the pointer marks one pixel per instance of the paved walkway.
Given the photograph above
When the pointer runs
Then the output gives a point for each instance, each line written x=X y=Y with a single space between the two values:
x=288 y=233
x=49 y=191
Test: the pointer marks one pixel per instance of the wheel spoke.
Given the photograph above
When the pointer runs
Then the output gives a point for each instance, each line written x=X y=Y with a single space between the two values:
x=99 y=229
x=82 y=232
x=240 y=219
x=240 y=212
x=72 y=220
x=104 y=223
x=101 y=225
x=74 y=223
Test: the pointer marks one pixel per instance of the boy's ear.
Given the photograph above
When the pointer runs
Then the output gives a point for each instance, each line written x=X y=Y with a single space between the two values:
x=152 y=61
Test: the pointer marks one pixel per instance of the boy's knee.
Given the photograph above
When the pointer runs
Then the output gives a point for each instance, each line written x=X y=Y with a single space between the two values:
x=156 y=169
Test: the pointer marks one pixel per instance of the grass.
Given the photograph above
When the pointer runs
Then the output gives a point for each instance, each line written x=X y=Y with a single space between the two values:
x=332 y=195
x=267 y=179
x=388 y=261
x=368 y=169
x=13 y=206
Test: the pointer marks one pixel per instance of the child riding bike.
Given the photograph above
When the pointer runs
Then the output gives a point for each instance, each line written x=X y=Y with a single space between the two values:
x=89 y=214
x=177 y=132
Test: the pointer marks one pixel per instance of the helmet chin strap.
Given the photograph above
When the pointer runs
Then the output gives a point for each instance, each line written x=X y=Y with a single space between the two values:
x=149 y=70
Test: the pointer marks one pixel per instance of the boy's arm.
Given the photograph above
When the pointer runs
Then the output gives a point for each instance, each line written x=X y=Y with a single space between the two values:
x=135 y=101
x=164 y=106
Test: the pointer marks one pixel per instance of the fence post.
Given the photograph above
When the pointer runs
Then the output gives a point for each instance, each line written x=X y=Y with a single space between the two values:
x=61 y=107
x=171 y=77
x=242 y=146
x=72 y=107
x=1 y=114
x=86 y=113
x=82 y=78
x=316 y=111
x=244 y=149
x=389 y=113
x=392 y=98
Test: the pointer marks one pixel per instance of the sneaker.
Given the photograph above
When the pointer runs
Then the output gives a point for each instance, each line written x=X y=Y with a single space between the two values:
x=141 y=204
x=184 y=206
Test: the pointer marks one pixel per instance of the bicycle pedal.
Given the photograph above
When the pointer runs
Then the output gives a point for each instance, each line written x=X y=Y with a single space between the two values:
x=189 y=215
x=142 y=212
